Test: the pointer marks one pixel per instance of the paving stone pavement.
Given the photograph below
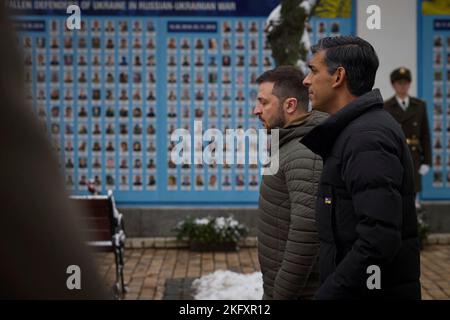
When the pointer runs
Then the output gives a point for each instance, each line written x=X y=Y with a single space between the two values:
x=156 y=274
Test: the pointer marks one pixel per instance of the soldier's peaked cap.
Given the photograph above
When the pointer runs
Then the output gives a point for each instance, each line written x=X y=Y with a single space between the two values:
x=400 y=74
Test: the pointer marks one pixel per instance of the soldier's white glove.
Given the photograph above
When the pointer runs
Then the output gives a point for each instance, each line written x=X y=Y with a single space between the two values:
x=424 y=168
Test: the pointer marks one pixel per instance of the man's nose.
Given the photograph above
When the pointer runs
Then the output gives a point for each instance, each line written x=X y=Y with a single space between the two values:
x=256 y=110
x=307 y=80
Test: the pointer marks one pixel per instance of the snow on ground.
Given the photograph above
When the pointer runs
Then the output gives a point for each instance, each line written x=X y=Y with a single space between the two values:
x=227 y=285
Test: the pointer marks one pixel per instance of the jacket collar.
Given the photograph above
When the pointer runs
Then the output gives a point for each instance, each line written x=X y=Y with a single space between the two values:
x=399 y=101
x=298 y=121
x=403 y=115
x=321 y=139
x=300 y=126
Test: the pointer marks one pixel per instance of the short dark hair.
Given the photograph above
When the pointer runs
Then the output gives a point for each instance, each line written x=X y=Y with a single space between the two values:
x=288 y=82
x=356 y=56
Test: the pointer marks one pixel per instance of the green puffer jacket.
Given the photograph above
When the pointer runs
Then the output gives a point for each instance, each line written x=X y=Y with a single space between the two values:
x=288 y=244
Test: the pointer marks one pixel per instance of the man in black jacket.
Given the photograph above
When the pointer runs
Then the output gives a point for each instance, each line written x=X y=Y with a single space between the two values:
x=365 y=206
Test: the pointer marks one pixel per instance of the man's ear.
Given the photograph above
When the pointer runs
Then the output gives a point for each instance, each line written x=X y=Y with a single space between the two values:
x=339 y=77
x=290 y=105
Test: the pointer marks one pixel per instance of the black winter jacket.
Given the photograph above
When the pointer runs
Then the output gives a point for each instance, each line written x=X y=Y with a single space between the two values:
x=365 y=209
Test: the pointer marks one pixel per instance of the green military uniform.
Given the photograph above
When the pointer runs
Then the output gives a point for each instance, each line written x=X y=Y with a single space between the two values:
x=414 y=122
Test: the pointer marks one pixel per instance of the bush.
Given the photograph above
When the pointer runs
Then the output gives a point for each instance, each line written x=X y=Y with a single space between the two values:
x=211 y=230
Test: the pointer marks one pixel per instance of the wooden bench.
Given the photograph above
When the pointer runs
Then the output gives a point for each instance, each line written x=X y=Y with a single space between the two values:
x=104 y=231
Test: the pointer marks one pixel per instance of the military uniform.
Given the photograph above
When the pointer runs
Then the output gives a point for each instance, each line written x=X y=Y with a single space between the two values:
x=414 y=122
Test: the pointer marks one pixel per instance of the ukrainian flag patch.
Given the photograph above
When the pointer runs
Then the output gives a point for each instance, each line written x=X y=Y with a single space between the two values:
x=328 y=200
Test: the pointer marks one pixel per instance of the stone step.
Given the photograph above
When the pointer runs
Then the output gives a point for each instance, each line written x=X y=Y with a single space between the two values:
x=248 y=242
x=172 y=242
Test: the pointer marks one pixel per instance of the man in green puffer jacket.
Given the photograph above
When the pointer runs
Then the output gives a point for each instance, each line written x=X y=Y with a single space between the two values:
x=288 y=244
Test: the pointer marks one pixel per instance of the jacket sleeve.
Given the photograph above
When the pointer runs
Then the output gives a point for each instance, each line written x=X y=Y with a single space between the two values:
x=302 y=174
x=425 y=138
x=372 y=172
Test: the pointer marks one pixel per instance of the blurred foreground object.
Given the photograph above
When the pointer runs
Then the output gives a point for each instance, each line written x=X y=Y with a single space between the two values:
x=40 y=238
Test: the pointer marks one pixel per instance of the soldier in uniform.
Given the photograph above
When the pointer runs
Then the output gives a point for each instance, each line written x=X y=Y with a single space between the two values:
x=411 y=113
